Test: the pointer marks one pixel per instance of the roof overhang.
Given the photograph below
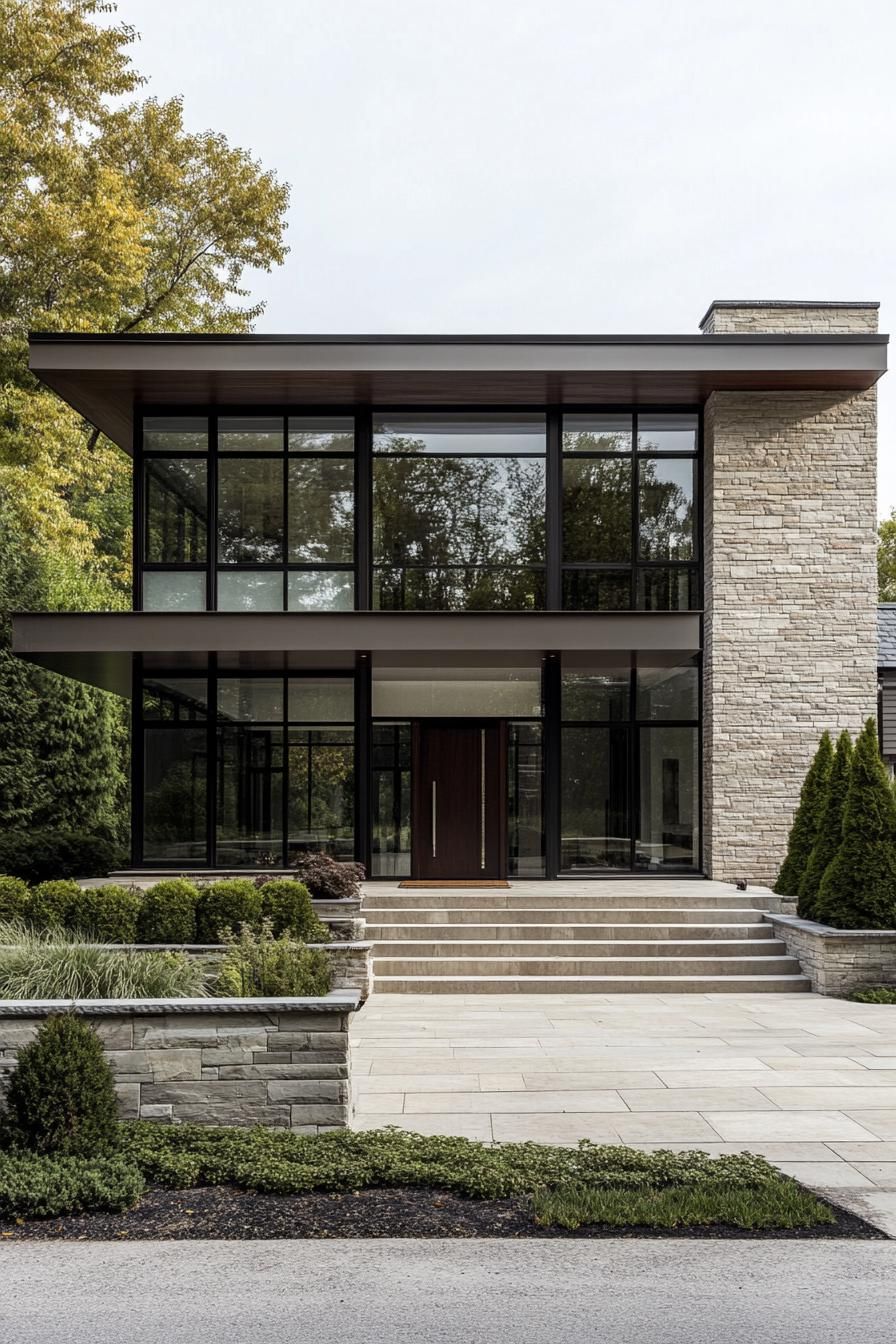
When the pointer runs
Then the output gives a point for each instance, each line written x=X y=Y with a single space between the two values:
x=98 y=648
x=104 y=377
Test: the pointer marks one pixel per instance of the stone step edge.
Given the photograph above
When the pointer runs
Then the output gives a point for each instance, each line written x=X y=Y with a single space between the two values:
x=594 y=979
x=369 y=910
x=664 y=961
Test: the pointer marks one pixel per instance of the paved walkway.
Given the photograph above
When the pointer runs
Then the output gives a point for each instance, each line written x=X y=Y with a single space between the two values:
x=808 y=1082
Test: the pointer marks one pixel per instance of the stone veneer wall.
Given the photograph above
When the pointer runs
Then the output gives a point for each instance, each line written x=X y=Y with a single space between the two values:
x=827 y=319
x=838 y=961
x=790 y=630
x=275 y=1062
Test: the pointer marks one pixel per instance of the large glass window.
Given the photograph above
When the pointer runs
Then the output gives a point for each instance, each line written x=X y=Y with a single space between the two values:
x=459 y=512
x=630 y=774
x=629 y=512
x=250 y=510
x=391 y=800
x=176 y=491
x=477 y=692
x=174 y=794
x=525 y=799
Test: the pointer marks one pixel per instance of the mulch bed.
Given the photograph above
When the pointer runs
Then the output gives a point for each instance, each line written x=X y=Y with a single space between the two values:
x=221 y=1213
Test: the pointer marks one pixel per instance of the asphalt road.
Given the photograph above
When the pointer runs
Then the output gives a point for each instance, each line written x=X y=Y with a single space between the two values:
x=437 y=1292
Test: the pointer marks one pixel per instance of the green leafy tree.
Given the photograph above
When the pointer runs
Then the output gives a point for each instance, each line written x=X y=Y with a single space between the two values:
x=806 y=821
x=886 y=559
x=830 y=828
x=858 y=890
x=114 y=217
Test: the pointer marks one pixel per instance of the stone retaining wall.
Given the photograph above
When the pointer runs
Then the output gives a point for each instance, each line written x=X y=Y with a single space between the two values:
x=837 y=961
x=277 y=1062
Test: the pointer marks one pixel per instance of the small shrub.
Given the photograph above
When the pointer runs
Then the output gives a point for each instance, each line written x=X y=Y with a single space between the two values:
x=50 y=903
x=108 y=914
x=57 y=964
x=806 y=820
x=258 y=965
x=45 y=856
x=327 y=879
x=168 y=912
x=43 y=1187
x=879 y=994
x=61 y=1098
x=13 y=898
x=858 y=890
x=287 y=904
x=226 y=905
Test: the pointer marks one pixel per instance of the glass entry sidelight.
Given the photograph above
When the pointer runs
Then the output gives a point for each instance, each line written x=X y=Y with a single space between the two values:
x=459 y=822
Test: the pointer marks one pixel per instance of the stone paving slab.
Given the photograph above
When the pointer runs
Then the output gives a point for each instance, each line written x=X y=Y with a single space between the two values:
x=805 y=1081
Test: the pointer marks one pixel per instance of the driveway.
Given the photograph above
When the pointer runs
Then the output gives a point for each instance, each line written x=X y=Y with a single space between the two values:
x=808 y=1082
x=438 y=1292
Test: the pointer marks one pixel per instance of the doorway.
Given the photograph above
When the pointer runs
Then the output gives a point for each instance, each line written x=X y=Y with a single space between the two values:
x=459 y=800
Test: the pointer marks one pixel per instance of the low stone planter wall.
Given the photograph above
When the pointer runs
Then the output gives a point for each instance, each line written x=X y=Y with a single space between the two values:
x=837 y=961
x=276 y=1062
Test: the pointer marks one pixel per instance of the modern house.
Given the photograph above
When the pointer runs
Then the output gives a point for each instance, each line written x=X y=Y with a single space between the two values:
x=484 y=607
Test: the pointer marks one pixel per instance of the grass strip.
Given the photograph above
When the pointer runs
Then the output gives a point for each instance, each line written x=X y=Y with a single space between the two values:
x=777 y=1206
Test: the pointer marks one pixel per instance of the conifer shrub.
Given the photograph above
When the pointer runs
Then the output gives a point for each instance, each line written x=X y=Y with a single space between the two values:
x=326 y=878
x=61 y=1097
x=168 y=912
x=47 y=856
x=50 y=1187
x=226 y=905
x=858 y=890
x=14 y=896
x=806 y=821
x=830 y=829
x=50 y=902
x=287 y=904
x=107 y=914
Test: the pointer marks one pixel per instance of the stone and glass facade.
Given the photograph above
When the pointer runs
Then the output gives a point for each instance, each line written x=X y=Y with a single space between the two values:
x=485 y=607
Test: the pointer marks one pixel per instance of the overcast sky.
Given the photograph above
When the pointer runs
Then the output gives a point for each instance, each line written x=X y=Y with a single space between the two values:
x=553 y=165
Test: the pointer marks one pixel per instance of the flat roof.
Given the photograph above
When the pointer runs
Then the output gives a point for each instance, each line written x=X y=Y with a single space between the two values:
x=98 y=647
x=104 y=376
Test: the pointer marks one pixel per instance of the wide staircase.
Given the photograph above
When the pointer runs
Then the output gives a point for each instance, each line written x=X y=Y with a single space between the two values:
x=598 y=938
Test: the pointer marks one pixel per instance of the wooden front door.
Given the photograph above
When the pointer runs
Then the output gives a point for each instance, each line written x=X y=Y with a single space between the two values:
x=460 y=808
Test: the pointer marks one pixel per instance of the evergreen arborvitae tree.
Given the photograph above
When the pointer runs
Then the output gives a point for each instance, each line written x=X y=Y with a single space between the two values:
x=804 y=831
x=61 y=1097
x=830 y=829
x=858 y=890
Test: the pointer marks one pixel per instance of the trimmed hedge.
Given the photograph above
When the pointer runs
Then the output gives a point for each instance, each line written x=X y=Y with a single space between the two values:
x=14 y=896
x=226 y=905
x=287 y=904
x=107 y=914
x=168 y=912
x=45 y=856
x=50 y=903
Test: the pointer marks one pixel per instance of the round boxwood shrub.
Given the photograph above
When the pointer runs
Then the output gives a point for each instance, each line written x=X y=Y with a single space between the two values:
x=168 y=912
x=13 y=898
x=287 y=904
x=49 y=903
x=226 y=905
x=107 y=914
x=61 y=1098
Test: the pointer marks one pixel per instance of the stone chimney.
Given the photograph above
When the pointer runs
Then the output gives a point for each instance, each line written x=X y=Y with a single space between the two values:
x=729 y=317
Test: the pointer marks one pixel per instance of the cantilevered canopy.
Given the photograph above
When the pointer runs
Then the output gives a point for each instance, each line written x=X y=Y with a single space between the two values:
x=103 y=377
x=98 y=648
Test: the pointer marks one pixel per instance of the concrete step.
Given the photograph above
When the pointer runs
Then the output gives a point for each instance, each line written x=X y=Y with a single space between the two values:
x=638 y=967
x=559 y=932
x=541 y=914
x=591 y=984
x=594 y=900
x=578 y=948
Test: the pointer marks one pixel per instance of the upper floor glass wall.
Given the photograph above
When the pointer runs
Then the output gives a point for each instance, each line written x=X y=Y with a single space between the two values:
x=460 y=511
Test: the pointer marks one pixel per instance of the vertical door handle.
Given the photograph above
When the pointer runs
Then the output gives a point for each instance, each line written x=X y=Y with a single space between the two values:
x=482 y=790
x=434 y=819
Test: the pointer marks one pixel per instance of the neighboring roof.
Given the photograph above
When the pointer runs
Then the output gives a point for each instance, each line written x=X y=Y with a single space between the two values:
x=886 y=634
x=102 y=376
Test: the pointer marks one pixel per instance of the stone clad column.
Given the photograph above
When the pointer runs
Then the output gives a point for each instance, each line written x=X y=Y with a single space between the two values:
x=790 y=587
